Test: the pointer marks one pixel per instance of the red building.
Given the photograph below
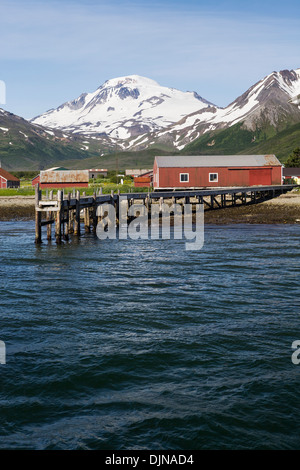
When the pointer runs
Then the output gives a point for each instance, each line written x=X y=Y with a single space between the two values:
x=7 y=180
x=216 y=171
x=57 y=178
x=143 y=180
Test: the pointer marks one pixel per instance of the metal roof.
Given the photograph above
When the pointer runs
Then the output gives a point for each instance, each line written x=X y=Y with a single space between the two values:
x=216 y=160
x=57 y=168
x=291 y=171
x=68 y=176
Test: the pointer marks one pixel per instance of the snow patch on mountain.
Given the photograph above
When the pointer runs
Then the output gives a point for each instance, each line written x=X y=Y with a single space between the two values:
x=269 y=95
x=122 y=108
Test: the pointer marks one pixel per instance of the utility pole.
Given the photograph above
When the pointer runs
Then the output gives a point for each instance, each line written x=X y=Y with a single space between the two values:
x=117 y=168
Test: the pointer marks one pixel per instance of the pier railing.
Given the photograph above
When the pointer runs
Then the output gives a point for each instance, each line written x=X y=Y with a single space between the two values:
x=66 y=211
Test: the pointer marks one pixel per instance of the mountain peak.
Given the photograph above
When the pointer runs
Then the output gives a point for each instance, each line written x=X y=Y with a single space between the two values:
x=129 y=80
x=123 y=107
x=136 y=111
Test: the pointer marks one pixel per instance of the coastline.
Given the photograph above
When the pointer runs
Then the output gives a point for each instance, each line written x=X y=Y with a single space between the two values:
x=285 y=209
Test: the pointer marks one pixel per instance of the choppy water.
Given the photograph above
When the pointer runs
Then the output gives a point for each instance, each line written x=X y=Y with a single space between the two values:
x=143 y=345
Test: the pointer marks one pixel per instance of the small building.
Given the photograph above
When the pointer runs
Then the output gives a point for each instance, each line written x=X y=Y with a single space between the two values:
x=291 y=174
x=144 y=180
x=62 y=178
x=137 y=172
x=36 y=179
x=202 y=171
x=94 y=173
x=7 y=180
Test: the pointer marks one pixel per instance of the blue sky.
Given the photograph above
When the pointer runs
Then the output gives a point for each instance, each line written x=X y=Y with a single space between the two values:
x=52 y=51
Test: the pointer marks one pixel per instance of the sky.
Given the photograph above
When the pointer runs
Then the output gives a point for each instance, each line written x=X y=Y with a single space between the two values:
x=52 y=51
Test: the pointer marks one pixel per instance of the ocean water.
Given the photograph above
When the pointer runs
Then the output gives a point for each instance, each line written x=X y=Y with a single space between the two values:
x=144 y=345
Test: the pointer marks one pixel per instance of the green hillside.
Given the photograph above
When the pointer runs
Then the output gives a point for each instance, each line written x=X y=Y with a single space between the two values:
x=27 y=147
x=237 y=140
x=120 y=160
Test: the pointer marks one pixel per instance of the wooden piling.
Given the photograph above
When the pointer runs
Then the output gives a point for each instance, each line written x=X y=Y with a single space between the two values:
x=94 y=212
x=49 y=216
x=86 y=217
x=117 y=208
x=77 y=215
x=58 y=217
x=38 y=215
x=49 y=226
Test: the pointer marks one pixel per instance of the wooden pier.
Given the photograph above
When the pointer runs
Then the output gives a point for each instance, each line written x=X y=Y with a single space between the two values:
x=67 y=211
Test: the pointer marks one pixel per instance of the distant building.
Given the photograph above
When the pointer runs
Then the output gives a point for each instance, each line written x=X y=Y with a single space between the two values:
x=291 y=173
x=144 y=180
x=58 y=178
x=202 y=171
x=7 y=180
x=93 y=173
x=137 y=172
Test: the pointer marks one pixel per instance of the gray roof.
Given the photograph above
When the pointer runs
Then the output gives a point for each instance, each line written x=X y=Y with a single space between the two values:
x=291 y=171
x=216 y=160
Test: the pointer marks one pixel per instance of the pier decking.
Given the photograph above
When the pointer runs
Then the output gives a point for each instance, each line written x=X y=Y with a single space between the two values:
x=67 y=210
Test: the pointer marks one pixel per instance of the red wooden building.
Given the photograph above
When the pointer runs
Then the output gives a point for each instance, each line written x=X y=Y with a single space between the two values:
x=216 y=171
x=143 y=180
x=7 y=180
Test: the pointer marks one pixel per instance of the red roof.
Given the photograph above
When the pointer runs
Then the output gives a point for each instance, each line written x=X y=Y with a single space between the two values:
x=7 y=175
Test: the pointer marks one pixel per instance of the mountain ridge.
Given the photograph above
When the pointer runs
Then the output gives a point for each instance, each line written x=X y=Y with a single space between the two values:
x=137 y=111
x=261 y=119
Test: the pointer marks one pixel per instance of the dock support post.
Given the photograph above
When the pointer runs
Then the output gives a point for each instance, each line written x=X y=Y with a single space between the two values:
x=67 y=221
x=49 y=217
x=58 y=217
x=87 y=222
x=117 y=208
x=70 y=216
x=77 y=215
x=94 y=212
x=38 y=215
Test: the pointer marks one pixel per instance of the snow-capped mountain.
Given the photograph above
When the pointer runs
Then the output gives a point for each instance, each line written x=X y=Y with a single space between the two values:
x=135 y=112
x=123 y=108
x=265 y=103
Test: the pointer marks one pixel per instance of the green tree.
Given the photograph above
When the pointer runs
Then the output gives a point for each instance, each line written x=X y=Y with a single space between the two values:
x=293 y=159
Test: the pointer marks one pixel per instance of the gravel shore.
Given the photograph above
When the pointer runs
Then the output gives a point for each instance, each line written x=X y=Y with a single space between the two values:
x=284 y=209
